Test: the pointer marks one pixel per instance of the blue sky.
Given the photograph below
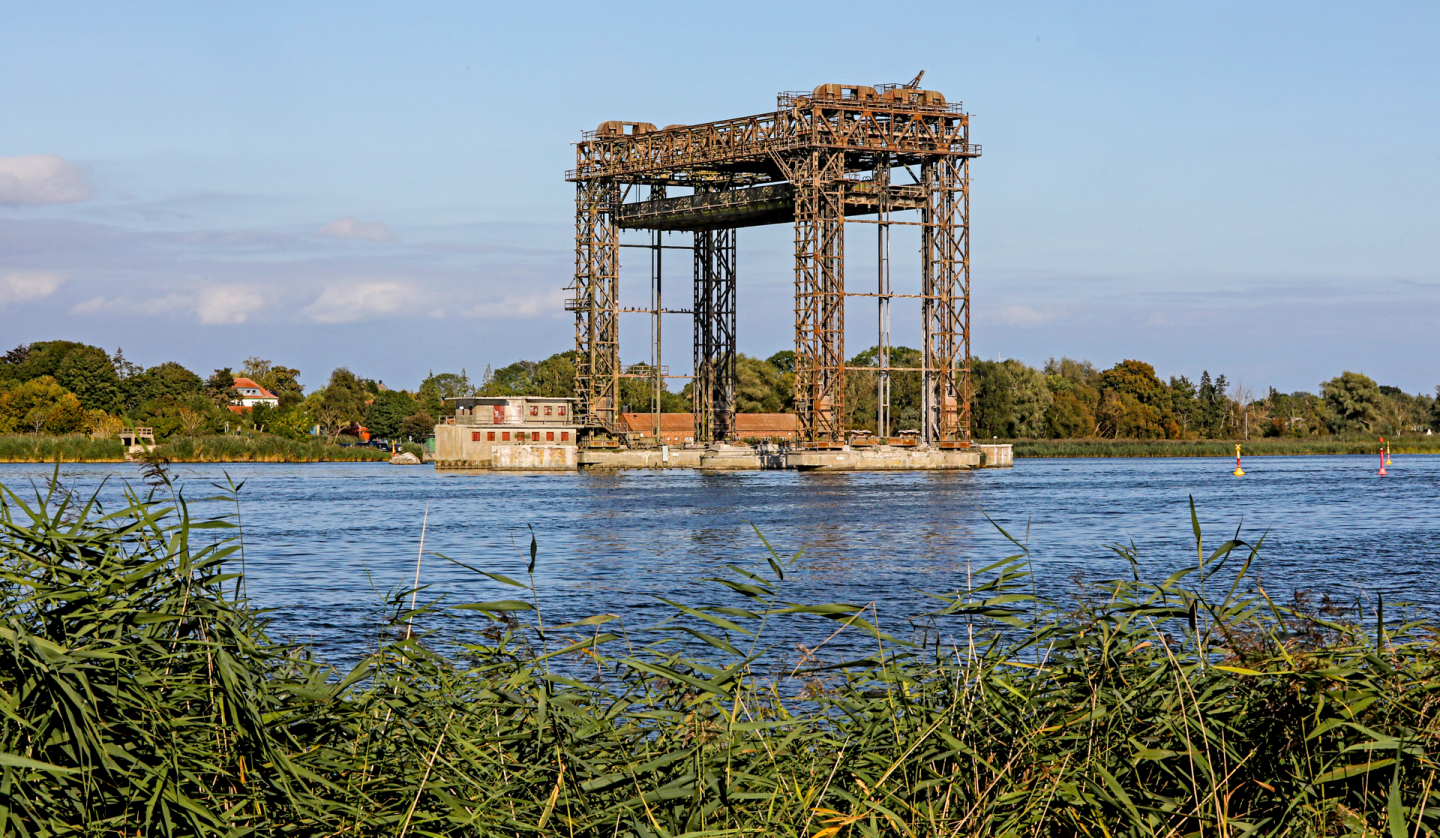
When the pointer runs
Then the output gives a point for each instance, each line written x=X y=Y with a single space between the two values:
x=1244 y=188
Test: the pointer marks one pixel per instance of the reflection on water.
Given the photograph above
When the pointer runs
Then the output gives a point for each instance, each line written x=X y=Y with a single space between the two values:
x=323 y=542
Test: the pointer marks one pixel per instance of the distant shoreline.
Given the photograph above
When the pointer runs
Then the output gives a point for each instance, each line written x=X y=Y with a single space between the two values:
x=1034 y=449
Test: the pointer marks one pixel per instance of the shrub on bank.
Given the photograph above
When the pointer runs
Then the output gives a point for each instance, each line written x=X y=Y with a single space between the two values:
x=142 y=696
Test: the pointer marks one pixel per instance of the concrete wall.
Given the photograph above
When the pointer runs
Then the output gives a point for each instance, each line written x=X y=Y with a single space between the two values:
x=883 y=458
x=998 y=456
x=455 y=448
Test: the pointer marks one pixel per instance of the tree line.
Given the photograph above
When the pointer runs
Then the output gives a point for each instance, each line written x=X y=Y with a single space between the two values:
x=63 y=387
x=59 y=387
x=1063 y=399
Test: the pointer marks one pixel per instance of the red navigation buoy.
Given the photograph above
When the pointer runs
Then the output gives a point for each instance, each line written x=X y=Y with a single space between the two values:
x=1383 y=472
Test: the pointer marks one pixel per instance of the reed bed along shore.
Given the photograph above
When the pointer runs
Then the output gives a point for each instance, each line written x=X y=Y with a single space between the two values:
x=71 y=448
x=1035 y=448
x=141 y=695
x=78 y=448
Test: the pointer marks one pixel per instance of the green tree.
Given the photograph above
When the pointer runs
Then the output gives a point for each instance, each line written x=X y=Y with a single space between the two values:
x=554 y=376
x=993 y=403
x=905 y=401
x=1138 y=379
x=784 y=360
x=760 y=387
x=1185 y=403
x=1068 y=417
x=167 y=379
x=417 y=427
x=32 y=405
x=388 y=411
x=340 y=404
x=220 y=388
x=1212 y=407
x=1354 y=400
x=1030 y=399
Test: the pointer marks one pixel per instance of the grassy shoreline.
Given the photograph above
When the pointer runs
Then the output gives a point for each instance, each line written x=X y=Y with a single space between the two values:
x=1055 y=448
x=209 y=449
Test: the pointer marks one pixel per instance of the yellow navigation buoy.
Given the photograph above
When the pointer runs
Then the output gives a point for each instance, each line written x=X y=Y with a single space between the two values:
x=1239 y=472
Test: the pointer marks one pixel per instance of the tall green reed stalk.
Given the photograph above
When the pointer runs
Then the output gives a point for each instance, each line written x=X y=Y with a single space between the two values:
x=137 y=697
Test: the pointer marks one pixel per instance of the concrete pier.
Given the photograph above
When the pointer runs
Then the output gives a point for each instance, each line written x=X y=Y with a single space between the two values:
x=885 y=458
x=722 y=457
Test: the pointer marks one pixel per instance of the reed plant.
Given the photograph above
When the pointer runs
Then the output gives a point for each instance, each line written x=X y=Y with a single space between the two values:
x=69 y=448
x=265 y=449
x=140 y=694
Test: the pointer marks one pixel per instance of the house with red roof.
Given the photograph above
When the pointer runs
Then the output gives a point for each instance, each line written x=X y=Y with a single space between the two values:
x=252 y=394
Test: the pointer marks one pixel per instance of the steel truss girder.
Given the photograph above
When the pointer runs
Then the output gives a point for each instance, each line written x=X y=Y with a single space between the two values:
x=596 y=303
x=713 y=389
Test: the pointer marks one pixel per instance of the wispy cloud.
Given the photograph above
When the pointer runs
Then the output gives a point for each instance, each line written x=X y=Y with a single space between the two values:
x=350 y=228
x=213 y=306
x=1017 y=315
x=42 y=179
x=520 y=305
x=354 y=302
x=19 y=286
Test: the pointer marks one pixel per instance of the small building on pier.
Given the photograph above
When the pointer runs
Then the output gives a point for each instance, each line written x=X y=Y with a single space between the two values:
x=507 y=432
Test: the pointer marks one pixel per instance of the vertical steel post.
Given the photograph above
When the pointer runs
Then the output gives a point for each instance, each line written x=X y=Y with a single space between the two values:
x=882 y=360
x=597 y=292
x=946 y=257
x=657 y=308
x=713 y=387
x=820 y=297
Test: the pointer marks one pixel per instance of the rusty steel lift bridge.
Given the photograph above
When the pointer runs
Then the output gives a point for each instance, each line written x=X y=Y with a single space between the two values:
x=819 y=160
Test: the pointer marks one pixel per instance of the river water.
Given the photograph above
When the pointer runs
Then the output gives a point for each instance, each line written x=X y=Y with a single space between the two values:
x=324 y=542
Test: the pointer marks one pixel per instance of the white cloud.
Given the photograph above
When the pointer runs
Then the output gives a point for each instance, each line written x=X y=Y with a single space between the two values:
x=514 y=305
x=19 y=286
x=94 y=305
x=1022 y=316
x=42 y=179
x=227 y=304
x=350 y=228
x=217 y=305
x=353 y=302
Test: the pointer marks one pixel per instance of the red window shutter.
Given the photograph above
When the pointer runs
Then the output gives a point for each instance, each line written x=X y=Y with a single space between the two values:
x=549 y=436
x=474 y=436
x=534 y=411
x=564 y=435
x=497 y=414
x=505 y=436
x=547 y=410
x=562 y=410
x=490 y=436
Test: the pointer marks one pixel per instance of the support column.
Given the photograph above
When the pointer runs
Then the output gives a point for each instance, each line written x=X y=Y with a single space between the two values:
x=820 y=297
x=713 y=388
x=596 y=304
x=945 y=254
x=882 y=345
